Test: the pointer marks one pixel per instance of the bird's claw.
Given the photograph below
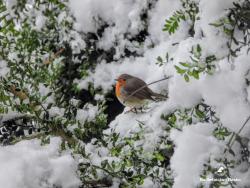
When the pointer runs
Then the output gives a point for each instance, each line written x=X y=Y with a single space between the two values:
x=135 y=110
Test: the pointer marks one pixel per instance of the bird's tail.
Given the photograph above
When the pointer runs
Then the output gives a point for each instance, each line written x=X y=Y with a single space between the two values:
x=158 y=96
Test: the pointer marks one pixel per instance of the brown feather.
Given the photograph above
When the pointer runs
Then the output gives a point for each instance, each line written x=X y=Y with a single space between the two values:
x=133 y=84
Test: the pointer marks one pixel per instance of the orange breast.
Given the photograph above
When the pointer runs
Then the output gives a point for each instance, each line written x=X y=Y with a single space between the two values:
x=118 y=89
x=119 y=85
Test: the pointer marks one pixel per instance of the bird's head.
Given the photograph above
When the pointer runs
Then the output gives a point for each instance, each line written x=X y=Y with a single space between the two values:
x=121 y=80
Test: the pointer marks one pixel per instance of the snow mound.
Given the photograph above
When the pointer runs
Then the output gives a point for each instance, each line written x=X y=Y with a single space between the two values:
x=27 y=164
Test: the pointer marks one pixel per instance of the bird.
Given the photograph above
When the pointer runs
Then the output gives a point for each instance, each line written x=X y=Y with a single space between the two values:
x=133 y=92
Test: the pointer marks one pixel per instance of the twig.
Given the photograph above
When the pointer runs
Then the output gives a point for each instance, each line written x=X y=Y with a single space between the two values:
x=113 y=174
x=28 y=137
x=98 y=183
x=232 y=138
x=244 y=125
x=146 y=85
x=50 y=59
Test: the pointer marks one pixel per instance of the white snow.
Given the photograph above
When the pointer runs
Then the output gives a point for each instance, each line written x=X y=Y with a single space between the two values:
x=158 y=15
x=123 y=14
x=122 y=17
x=40 y=21
x=226 y=90
x=194 y=146
x=88 y=113
x=3 y=68
x=56 y=111
x=27 y=164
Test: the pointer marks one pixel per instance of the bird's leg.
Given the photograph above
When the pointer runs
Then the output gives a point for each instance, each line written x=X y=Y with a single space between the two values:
x=134 y=110
x=141 y=109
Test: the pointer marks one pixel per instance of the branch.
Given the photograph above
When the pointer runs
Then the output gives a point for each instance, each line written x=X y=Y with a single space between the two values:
x=113 y=174
x=232 y=138
x=28 y=137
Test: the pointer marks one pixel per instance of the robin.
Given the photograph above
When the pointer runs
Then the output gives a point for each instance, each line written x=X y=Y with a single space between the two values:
x=134 y=92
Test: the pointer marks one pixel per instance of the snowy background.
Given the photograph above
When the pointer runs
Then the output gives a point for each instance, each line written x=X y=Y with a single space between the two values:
x=30 y=164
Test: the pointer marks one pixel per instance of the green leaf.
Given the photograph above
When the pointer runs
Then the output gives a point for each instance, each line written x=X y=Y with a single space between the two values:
x=172 y=119
x=159 y=59
x=231 y=151
x=49 y=106
x=159 y=157
x=190 y=73
x=195 y=74
x=186 y=77
x=185 y=64
x=141 y=181
x=172 y=23
x=226 y=20
x=199 y=113
x=210 y=58
x=167 y=57
x=198 y=48
x=217 y=24
x=179 y=70
x=194 y=59
x=228 y=31
x=197 y=51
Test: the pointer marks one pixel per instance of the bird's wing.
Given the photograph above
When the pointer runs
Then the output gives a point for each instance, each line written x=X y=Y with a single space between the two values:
x=135 y=83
